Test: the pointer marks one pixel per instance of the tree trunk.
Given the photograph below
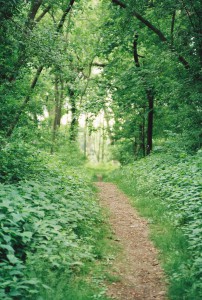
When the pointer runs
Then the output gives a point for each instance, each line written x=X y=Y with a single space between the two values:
x=28 y=27
x=65 y=13
x=73 y=131
x=172 y=29
x=24 y=104
x=150 y=98
x=107 y=118
x=60 y=102
x=143 y=134
x=85 y=136
x=56 y=115
x=103 y=139
x=99 y=144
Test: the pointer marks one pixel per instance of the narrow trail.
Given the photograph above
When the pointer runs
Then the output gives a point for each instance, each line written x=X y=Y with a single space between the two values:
x=141 y=277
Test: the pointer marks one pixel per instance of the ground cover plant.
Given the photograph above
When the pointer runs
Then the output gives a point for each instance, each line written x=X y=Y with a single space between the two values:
x=167 y=190
x=50 y=227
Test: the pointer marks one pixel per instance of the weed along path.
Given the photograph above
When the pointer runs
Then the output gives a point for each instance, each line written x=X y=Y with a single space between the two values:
x=137 y=267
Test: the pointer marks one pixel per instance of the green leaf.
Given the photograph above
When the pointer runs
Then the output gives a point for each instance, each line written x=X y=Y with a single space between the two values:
x=12 y=258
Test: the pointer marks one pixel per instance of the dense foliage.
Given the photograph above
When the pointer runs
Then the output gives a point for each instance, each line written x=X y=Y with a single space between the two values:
x=153 y=74
x=50 y=221
x=142 y=72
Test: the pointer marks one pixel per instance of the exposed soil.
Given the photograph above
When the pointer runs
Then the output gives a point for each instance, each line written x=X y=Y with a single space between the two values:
x=141 y=277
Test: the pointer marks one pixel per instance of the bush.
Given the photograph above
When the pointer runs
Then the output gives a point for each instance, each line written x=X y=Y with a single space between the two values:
x=18 y=161
x=123 y=152
x=50 y=221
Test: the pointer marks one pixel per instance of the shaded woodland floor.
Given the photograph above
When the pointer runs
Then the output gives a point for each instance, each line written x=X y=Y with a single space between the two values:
x=137 y=267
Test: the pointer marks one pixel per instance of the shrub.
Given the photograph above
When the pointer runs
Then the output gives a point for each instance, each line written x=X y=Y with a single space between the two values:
x=46 y=221
x=18 y=161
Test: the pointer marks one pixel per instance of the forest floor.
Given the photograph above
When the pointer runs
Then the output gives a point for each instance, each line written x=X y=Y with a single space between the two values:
x=137 y=268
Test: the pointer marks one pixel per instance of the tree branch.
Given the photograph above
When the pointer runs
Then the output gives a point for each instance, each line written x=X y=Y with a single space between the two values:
x=67 y=10
x=26 y=100
x=172 y=28
x=101 y=65
x=44 y=12
x=143 y=20
x=32 y=13
x=188 y=15
x=153 y=28
x=136 y=56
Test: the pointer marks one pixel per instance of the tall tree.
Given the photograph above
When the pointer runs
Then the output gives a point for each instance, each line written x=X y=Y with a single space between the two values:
x=34 y=8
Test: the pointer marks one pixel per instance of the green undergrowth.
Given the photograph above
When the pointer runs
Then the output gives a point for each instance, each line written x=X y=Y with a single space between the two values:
x=86 y=281
x=100 y=171
x=53 y=235
x=167 y=191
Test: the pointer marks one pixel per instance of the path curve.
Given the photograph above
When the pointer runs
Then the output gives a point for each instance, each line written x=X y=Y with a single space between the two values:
x=141 y=277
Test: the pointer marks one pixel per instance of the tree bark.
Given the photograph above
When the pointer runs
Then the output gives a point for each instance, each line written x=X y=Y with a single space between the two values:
x=56 y=115
x=60 y=102
x=103 y=138
x=44 y=12
x=107 y=118
x=65 y=13
x=35 y=5
x=73 y=131
x=99 y=143
x=136 y=58
x=150 y=97
x=143 y=134
x=85 y=136
x=172 y=29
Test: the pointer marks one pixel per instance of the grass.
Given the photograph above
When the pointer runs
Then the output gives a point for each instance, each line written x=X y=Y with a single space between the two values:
x=101 y=170
x=168 y=239
x=77 y=288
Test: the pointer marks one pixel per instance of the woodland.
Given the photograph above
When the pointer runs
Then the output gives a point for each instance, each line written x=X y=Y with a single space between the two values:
x=110 y=87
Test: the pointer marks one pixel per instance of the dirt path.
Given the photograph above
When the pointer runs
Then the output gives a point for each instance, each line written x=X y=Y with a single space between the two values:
x=141 y=277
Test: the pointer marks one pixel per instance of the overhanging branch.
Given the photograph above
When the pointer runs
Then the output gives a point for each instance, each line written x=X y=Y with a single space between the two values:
x=44 y=12
x=158 y=32
x=65 y=13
